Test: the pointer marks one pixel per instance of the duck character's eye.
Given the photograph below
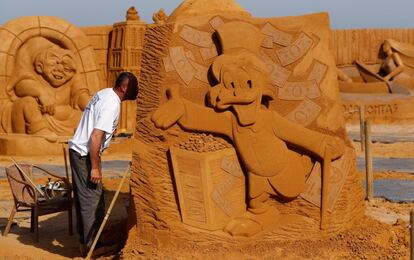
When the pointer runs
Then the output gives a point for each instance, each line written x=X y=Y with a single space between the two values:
x=249 y=83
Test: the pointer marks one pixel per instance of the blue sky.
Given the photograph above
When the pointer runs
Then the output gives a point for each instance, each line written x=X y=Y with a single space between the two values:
x=343 y=13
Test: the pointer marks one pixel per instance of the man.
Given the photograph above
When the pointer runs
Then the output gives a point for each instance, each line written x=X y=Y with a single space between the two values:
x=91 y=138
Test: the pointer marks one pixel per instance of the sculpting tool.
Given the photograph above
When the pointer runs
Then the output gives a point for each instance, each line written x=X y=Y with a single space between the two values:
x=108 y=212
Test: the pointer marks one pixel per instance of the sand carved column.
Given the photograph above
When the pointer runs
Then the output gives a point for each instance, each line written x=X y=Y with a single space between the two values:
x=125 y=54
x=231 y=134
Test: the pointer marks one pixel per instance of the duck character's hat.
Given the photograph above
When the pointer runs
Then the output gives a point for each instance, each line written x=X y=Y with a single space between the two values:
x=237 y=35
x=240 y=44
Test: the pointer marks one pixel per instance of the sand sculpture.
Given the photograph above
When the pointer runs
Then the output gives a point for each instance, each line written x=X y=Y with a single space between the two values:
x=49 y=70
x=383 y=88
x=242 y=81
x=395 y=73
x=48 y=101
x=132 y=14
x=124 y=54
x=234 y=134
x=48 y=77
x=160 y=17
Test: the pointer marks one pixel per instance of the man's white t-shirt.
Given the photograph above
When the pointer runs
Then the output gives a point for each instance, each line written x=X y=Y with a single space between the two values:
x=101 y=113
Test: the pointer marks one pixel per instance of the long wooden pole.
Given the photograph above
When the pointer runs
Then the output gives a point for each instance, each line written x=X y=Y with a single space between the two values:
x=368 y=162
x=108 y=213
x=412 y=234
x=325 y=187
x=362 y=125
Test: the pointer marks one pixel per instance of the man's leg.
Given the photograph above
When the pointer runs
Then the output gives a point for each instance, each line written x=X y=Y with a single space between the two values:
x=75 y=182
x=90 y=198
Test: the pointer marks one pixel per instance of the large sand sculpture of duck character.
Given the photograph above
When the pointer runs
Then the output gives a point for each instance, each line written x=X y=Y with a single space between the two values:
x=261 y=136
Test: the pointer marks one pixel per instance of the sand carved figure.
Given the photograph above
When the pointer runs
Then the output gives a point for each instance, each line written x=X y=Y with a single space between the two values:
x=45 y=89
x=132 y=14
x=48 y=73
x=191 y=200
x=160 y=17
x=395 y=73
x=262 y=138
x=398 y=65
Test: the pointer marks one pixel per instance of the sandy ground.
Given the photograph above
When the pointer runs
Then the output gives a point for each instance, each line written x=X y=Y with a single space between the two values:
x=387 y=150
x=55 y=243
x=382 y=234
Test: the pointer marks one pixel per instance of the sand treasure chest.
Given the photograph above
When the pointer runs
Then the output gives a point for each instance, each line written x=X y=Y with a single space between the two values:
x=209 y=181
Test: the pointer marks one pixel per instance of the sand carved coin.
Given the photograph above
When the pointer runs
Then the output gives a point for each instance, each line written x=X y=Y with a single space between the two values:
x=168 y=66
x=267 y=42
x=208 y=53
x=278 y=36
x=278 y=74
x=218 y=195
x=231 y=165
x=201 y=72
x=318 y=72
x=339 y=171
x=297 y=50
x=190 y=55
x=181 y=64
x=299 y=90
x=216 y=22
x=196 y=37
x=305 y=113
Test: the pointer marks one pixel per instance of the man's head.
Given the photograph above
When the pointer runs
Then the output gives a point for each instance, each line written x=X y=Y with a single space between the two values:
x=126 y=86
x=55 y=65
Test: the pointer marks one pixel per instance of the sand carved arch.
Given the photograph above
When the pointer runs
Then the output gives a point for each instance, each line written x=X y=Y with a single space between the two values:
x=18 y=31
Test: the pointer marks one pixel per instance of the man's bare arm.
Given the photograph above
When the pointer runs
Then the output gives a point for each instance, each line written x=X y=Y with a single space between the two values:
x=83 y=100
x=95 y=143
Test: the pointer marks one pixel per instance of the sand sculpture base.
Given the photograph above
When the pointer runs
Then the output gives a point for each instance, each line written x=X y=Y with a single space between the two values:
x=178 y=238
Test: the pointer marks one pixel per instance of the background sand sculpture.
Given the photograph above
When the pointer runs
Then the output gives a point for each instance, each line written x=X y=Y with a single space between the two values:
x=51 y=61
x=96 y=55
x=384 y=103
x=303 y=80
x=47 y=75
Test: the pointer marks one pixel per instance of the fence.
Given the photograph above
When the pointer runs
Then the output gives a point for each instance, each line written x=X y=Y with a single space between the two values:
x=364 y=44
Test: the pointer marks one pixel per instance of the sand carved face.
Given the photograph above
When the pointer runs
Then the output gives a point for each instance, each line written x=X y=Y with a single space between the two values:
x=386 y=47
x=55 y=65
x=242 y=79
